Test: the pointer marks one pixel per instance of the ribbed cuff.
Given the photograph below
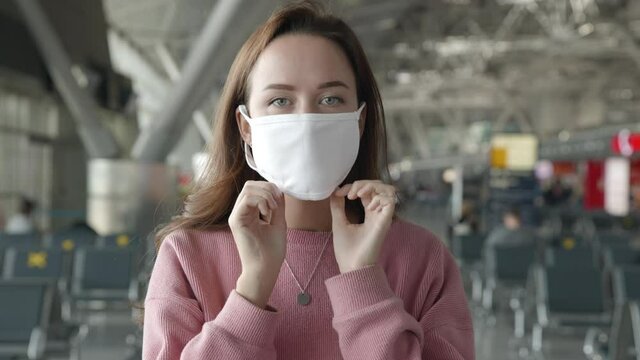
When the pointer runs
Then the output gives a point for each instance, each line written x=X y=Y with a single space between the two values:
x=358 y=289
x=247 y=322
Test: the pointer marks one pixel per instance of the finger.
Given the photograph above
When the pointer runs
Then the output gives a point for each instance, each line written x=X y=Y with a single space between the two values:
x=257 y=202
x=363 y=187
x=338 y=213
x=387 y=209
x=265 y=186
x=387 y=204
x=367 y=189
x=374 y=204
x=379 y=188
x=353 y=191
x=382 y=201
x=264 y=193
x=382 y=215
x=271 y=187
x=343 y=191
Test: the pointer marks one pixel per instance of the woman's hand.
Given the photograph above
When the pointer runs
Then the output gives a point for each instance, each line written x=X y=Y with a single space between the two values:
x=358 y=245
x=259 y=229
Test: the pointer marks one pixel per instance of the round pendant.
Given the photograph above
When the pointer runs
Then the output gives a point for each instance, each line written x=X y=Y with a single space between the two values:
x=304 y=299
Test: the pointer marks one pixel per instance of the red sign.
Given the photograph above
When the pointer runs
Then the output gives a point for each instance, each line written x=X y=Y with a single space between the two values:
x=594 y=185
x=635 y=172
x=561 y=168
x=626 y=143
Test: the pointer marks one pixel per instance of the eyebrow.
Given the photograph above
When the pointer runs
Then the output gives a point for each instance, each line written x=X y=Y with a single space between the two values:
x=332 y=84
x=321 y=86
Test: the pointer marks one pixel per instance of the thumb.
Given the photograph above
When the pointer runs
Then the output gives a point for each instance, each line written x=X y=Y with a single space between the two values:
x=338 y=215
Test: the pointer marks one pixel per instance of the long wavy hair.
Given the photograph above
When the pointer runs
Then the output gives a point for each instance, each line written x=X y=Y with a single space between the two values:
x=210 y=203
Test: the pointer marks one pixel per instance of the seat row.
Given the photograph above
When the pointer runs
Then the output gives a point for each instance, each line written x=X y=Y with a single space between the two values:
x=48 y=293
x=570 y=285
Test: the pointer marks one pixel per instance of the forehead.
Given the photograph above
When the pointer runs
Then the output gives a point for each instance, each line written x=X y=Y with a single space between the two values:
x=301 y=59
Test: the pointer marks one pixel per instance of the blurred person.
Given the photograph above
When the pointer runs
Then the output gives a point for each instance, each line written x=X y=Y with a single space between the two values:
x=557 y=193
x=316 y=266
x=468 y=222
x=511 y=232
x=22 y=222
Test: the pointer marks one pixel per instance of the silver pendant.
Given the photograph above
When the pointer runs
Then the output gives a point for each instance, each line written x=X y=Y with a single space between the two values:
x=304 y=299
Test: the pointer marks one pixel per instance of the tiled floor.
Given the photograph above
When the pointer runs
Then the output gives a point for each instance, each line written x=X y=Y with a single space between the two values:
x=496 y=342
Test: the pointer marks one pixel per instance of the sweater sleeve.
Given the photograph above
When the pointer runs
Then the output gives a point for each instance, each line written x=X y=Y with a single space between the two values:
x=174 y=326
x=372 y=323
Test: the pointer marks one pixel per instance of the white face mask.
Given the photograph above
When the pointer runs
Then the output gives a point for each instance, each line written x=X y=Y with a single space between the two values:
x=306 y=155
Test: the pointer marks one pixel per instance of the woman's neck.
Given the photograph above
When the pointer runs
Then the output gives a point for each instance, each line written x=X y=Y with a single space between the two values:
x=307 y=215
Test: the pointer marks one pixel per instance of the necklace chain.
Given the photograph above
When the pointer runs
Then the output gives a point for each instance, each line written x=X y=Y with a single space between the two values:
x=303 y=289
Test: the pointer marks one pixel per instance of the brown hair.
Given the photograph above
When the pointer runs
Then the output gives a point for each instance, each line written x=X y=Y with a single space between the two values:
x=209 y=205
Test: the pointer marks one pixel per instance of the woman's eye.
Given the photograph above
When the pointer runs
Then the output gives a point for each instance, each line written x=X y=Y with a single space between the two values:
x=331 y=100
x=279 y=102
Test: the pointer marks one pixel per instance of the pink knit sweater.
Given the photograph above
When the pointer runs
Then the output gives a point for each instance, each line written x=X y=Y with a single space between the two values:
x=409 y=306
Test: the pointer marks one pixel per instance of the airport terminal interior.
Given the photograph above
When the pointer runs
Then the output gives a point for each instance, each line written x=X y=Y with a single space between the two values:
x=513 y=135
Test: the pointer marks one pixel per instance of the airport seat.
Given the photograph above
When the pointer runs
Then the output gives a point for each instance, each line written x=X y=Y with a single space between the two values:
x=607 y=238
x=574 y=258
x=39 y=263
x=69 y=241
x=73 y=237
x=508 y=266
x=21 y=240
x=102 y=279
x=507 y=280
x=42 y=264
x=33 y=262
x=602 y=221
x=568 y=298
x=468 y=248
x=626 y=283
x=25 y=307
x=568 y=241
x=622 y=342
x=120 y=241
x=621 y=254
x=513 y=263
x=16 y=242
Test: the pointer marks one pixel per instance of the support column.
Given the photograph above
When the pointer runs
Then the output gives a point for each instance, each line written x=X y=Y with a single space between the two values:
x=97 y=140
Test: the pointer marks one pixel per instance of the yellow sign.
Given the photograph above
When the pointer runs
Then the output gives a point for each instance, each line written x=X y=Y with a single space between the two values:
x=122 y=241
x=514 y=151
x=68 y=245
x=568 y=243
x=37 y=259
x=498 y=157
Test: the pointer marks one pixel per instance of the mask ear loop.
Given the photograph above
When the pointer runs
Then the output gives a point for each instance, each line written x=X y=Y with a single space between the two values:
x=248 y=154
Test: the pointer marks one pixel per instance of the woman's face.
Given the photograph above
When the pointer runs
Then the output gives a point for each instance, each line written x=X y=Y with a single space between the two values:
x=300 y=73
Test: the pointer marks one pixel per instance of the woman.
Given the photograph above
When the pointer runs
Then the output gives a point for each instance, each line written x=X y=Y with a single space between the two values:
x=296 y=267
x=21 y=223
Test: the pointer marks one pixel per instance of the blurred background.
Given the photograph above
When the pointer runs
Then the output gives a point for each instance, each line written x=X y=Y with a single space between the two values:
x=514 y=135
